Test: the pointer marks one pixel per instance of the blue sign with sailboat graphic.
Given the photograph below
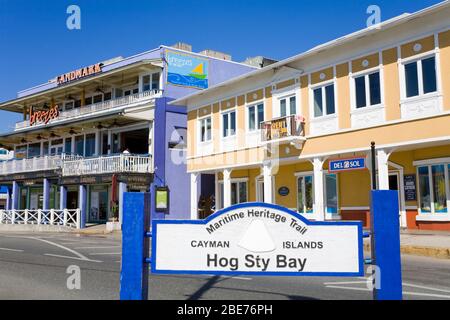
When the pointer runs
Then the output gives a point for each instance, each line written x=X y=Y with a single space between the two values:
x=187 y=70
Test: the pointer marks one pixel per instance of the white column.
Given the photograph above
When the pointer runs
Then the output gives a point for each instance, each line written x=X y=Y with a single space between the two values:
x=268 y=188
x=226 y=188
x=109 y=142
x=194 y=196
x=97 y=142
x=383 y=169
x=319 y=208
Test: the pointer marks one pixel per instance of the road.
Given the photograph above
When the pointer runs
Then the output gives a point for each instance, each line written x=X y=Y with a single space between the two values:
x=35 y=266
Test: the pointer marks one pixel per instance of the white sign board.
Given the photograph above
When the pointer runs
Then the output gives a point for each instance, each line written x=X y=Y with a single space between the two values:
x=257 y=238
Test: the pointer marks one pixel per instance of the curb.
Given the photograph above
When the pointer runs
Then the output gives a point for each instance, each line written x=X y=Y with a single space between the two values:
x=440 y=253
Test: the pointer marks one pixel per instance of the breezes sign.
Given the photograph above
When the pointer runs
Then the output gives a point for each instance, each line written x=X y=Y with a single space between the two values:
x=259 y=239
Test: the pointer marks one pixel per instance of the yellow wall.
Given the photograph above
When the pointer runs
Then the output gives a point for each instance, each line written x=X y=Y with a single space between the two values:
x=192 y=133
x=391 y=84
x=354 y=188
x=427 y=43
x=305 y=101
x=343 y=87
x=444 y=48
x=373 y=59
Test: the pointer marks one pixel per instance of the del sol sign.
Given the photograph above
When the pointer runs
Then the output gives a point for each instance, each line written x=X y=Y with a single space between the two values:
x=338 y=165
x=258 y=239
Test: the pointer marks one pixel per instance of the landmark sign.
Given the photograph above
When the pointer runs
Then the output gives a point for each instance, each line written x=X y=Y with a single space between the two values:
x=257 y=239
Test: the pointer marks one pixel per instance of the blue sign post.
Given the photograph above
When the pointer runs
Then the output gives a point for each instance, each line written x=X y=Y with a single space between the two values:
x=135 y=246
x=386 y=245
x=258 y=239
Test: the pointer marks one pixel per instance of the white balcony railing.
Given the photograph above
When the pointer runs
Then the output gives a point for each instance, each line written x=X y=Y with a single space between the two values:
x=53 y=217
x=290 y=128
x=32 y=164
x=108 y=164
x=98 y=107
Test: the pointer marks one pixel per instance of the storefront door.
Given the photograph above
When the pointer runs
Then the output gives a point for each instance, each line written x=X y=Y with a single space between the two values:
x=98 y=208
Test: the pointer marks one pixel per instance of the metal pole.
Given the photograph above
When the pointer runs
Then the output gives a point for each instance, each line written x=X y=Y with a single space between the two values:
x=372 y=231
x=373 y=159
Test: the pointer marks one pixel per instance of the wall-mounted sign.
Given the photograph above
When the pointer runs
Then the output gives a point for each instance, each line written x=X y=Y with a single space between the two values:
x=162 y=199
x=187 y=70
x=283 y=191
x=260 y=239
x=410 y=187
x=43 y=116
x=79 y=74
x=338 y=165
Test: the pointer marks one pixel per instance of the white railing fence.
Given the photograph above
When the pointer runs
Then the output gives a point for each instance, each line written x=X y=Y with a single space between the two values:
x=107 y=164
x=53 y=217
x=49 y=162
x=30 y=164
x=100 y=106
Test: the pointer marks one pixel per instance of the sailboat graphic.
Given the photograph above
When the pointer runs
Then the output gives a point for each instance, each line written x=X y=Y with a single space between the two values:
x=198 y=72
x=257 y=238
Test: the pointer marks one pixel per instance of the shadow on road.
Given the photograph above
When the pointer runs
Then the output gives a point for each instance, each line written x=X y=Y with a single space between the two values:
x=210 y=284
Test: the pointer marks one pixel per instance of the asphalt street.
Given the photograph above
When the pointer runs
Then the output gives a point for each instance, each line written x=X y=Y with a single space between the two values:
x=39 y=266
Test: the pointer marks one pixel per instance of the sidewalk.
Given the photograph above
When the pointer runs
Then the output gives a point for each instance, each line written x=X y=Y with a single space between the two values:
x=423 y=243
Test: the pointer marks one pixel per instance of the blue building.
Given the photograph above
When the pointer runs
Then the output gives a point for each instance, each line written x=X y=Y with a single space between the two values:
x=91 y=134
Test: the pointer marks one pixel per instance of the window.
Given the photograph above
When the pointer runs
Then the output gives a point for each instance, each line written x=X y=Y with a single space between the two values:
x=255 y=116
x=68 y=105
x=98 y=98
x=324 y=103
x=305 y=198
x=68 y=145
x=238 y=193
x=79 y=145
x=88 y=101
x=45 y=148
x=229 y=124
x=433 y=188
x=90 y=145
x=150 y=82
x=331 y=194
x=420 y=77
x=146 y=83
x=205 y=129
x=284 y=103
x=34 y=150
x=368 y=90
x=155 y=81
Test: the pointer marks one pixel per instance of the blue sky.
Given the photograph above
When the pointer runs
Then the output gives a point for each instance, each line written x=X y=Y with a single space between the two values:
x=35 y=44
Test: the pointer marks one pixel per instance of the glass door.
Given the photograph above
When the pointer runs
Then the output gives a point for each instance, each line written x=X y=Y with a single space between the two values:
x=305 y=194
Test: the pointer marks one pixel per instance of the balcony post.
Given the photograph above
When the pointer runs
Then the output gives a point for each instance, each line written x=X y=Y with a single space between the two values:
x=226 y=188
x=319 y=209
x=194 y=195
x=383 y=169
x=8 y=199
x=46 y=202
x=15 y=196
x=82 y=199
x=62 y=197
x=268 y=182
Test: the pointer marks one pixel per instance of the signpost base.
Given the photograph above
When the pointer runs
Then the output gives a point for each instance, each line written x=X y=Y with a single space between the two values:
x=386 y=245
x=135 y=246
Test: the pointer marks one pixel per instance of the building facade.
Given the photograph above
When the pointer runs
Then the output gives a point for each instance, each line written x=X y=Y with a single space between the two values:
x=298 y=132
x=89 y=135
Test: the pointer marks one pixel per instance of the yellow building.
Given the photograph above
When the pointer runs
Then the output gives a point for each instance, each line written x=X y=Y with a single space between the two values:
x=272 y=134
